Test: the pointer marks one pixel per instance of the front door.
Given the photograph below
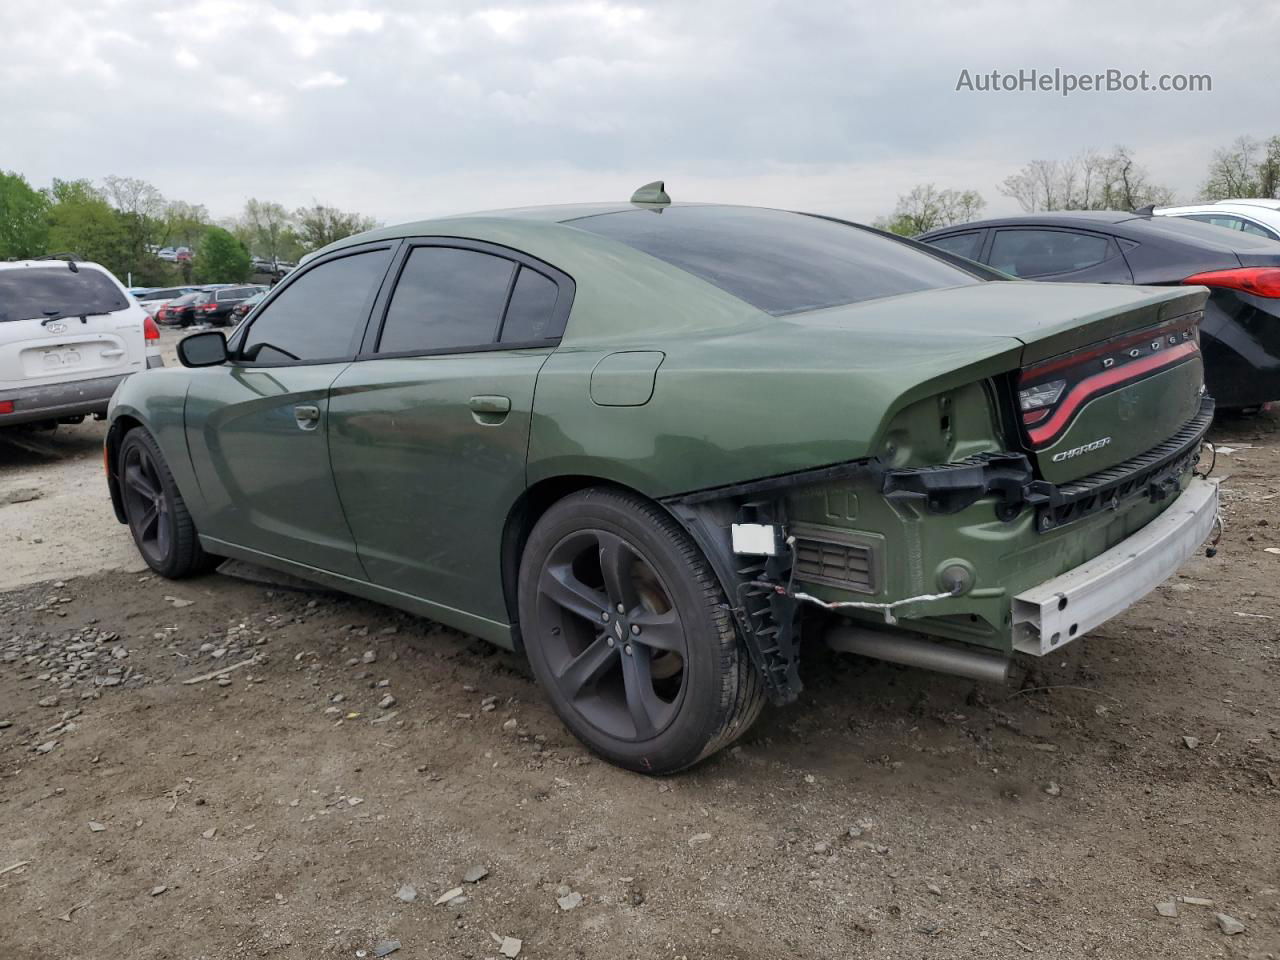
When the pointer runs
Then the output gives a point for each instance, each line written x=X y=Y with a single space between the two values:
x=429 y=430
x=258 y=427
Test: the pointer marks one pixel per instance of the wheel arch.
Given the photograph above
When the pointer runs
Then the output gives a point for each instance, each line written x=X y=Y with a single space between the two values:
x=120 y=426
x=540 y=497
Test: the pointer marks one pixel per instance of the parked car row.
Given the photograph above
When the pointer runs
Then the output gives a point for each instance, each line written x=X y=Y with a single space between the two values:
x=1241 y=267
x=214 y=304
x=637 y=441
x=272 y=267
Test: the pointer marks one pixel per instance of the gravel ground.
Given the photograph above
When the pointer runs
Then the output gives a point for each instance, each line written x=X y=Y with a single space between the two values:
x=359 y=765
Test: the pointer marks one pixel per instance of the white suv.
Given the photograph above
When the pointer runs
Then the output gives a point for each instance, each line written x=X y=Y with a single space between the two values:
x=69 y=334
x=1260 y=217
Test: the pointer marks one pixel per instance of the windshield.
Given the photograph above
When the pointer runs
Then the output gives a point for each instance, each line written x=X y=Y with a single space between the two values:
x=777 y=261
x=34 y=293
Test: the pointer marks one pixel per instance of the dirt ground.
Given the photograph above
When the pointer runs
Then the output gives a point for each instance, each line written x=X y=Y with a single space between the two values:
x=891 y=813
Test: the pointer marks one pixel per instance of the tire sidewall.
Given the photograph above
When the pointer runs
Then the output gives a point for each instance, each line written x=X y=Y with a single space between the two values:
x=702 y=700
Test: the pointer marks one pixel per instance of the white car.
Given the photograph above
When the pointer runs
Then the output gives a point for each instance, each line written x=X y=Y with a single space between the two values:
x=1260 y=217
x=69 y=334
x=152 y=300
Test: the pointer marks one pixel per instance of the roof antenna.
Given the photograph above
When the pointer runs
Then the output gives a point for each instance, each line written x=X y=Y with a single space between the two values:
x=655 y=193
x=1148 y=211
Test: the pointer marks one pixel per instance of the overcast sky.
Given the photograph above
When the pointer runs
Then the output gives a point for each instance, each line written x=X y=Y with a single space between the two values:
x=408 y=109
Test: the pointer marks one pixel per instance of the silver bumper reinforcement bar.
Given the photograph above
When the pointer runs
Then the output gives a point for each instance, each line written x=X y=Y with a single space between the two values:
x=1069 y=606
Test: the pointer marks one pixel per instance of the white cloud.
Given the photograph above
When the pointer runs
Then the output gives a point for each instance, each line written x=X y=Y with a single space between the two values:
x=321 y=80
x=456 y=105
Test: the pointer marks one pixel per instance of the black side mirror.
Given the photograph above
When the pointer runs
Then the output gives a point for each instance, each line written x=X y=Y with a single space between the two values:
x=208 y=349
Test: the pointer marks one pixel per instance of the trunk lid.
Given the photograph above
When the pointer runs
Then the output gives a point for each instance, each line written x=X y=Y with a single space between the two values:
x=1111 y=370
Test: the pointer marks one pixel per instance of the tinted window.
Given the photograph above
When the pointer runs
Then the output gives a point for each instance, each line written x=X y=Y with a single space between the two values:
x=1037 y=253
x=446 y=298
x=777 y=261
x=1218 y=220
x=318 y=315
x=34 y=293
x=160 y=294
x=532 y=308
x=1257 y=231
x=961 y=244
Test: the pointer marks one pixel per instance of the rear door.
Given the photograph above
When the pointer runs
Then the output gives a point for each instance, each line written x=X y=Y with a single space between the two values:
x=429 y=429
x=1041 y=253
x=257 y=427
x=59 y=324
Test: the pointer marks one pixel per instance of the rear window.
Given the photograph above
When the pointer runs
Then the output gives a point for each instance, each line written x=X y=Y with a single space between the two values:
x=777 y=261
x=34 y=293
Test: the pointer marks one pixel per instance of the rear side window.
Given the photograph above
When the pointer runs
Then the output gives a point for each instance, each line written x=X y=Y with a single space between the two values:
x=961 y=244
x=777 y=261
x=37 y=293
x=532 y=309
x=446 y=298
x=1038 y=253
x=319 y=315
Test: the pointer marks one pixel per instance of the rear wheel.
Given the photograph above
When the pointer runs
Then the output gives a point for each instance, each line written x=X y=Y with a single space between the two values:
x=627 y=630
x=158 y=519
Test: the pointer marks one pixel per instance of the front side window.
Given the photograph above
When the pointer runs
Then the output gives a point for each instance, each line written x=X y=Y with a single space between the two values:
x=1039 y=253
x=446 y=299
x=319 y=315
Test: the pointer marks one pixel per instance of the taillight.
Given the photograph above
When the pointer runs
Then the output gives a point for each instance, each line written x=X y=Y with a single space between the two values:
x=1259 y=281
x=149 y=329
x=207 y=306
x=1052 y=392
x=6 y=406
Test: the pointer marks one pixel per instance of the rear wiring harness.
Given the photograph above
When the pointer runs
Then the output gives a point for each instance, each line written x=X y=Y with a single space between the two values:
x=886 y=608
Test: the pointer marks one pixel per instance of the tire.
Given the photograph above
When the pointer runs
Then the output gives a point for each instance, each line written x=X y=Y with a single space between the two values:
x=665 y=682
x=158 y=519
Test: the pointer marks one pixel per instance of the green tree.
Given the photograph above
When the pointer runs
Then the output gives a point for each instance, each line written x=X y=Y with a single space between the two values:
x=319 y=226
x=24 y=218
x=221 y=258
x=926 y=207
x=81 y=221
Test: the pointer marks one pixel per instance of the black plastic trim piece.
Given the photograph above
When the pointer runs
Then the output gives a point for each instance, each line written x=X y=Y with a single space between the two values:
x=951 y=487
x=1154 y=475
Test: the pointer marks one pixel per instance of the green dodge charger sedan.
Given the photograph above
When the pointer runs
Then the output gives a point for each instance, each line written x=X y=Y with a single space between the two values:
x=646 y=443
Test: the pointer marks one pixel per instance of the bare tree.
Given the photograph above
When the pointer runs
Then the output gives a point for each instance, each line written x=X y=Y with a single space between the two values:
x=185 y=223
x=1088 y=181
x=925 y=207
x=1247 y=168
x=318 y=225
x=266 y=225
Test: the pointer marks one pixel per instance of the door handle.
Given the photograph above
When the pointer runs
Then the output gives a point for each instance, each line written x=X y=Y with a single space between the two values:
x=489 y=410
x=489 y=404
x=112 y=354
x=306 y=415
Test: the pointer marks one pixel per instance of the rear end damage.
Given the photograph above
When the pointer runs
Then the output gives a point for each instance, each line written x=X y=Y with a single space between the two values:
x=1013 y=514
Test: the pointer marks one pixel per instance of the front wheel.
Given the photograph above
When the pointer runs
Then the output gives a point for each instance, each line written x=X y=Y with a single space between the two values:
x=627 y=630
x=158 y=519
